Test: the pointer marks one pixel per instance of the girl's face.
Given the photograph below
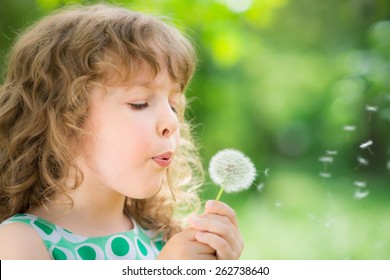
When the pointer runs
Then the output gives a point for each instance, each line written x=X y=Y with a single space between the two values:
x=133 y=133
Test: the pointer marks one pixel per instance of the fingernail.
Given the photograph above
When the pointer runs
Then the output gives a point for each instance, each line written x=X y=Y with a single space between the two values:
x=210 y=203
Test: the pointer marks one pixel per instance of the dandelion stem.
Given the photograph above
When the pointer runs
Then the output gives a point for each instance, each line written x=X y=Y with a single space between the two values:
x=219 y=194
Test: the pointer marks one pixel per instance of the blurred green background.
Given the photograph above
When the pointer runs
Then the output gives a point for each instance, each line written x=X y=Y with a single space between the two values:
x=298 y=86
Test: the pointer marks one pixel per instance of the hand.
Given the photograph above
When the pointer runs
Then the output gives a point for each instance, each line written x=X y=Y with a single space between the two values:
x=183 y=246
x=218 y=228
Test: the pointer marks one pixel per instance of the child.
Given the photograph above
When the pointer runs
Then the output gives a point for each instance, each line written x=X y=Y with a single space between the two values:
x=96 y=159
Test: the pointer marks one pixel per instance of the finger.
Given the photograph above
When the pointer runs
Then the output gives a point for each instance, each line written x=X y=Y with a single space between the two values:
x=220 y=208
x=216 y=217
x=202 y=248
x=189 y=233
x=221 y=226
x=195 y=246
x=222 y=247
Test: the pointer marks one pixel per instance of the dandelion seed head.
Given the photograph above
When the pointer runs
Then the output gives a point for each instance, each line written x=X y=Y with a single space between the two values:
x=232 y=170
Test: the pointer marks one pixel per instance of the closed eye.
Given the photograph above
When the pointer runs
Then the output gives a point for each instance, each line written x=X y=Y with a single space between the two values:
x=138 y=106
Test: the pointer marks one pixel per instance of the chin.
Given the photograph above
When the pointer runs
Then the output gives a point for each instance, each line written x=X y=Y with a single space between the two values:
x=149 y=192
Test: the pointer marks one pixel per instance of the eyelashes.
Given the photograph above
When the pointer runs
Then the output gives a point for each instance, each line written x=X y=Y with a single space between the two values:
x=142 y=106
x=138 y=106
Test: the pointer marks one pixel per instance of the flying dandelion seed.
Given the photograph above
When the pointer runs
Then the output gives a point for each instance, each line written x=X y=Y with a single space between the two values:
x=331 y=152
x=326 y=159
x=327 y=224
x=349 y=127
x=260 y=187
x=362 y=161
x=360 y=184
x=266 y=172
x=371 y=109
x=361 y=194
x=388 y=165
x=325 y=174
x=311 y=217
x=367 y=145
x=278 y=204
x=232 y=171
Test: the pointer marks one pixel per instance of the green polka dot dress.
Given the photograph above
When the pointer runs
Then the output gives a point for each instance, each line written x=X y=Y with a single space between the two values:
x=137 y=244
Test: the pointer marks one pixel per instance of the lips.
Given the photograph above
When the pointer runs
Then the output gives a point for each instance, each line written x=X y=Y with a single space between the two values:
x=163 y=160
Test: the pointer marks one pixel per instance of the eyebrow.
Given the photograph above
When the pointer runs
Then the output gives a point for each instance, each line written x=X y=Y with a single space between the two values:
x=152 y=84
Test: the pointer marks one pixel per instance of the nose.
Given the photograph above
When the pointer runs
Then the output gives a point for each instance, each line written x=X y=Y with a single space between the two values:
x=168 y=122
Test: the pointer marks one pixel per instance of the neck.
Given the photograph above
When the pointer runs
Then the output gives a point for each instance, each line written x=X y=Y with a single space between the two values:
x=96 y=211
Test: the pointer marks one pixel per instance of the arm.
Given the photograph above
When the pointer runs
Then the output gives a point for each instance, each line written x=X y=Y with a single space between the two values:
x=218 y=228
x=20 y=242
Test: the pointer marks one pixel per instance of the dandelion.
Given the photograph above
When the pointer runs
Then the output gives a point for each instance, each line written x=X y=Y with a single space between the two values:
x=360 y=184
x=367 y=145
x=232 y=171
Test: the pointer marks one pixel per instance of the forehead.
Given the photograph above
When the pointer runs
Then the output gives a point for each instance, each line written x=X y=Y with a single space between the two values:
x=140 y=74
x=145 y=77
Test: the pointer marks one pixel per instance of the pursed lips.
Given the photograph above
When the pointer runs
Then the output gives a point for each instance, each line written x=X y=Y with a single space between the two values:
x=163 y=160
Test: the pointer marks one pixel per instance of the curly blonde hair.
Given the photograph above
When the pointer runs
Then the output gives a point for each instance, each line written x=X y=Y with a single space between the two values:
x=44 y=103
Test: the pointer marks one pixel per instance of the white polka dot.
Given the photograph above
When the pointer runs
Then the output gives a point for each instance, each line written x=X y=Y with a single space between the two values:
x=70 y=236
x=154 y=247
x=53 y=237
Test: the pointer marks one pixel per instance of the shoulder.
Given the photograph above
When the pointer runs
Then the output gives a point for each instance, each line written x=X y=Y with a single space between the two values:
x=20 y=241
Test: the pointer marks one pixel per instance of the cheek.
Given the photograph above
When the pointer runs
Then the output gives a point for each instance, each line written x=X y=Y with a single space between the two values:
x=121 y=141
